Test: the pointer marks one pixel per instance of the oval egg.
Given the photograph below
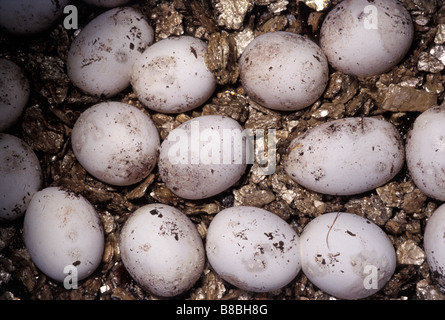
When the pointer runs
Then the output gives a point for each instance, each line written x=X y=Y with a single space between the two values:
x=425 y=152
x=162 y=250
x=346 y=156
x=62 y=231
x=434 y=244
x=253 y=249
x=346 y=255
x=101 y=56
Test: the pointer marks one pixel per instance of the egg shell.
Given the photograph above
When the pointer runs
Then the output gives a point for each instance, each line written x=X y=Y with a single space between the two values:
x=106 y=3
x=172 y=77
x=162 y=250
x=203 y=156
x=20 y=176
x=101 y=56
x=434 y=244
x=425 y=152
x=253 y=249
x=283 y=71
x=30 y=16
x=14 y=93
x=346 y=156
x=364 y=38
x=62 y=229
x=346 y=255
x=115 y=142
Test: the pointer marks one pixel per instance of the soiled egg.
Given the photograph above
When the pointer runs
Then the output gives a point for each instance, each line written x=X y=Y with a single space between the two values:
x=434 y=244
x=346 y=255
x=14 y=93
x=20 y=176
x=364 y=38
x=30 y=16
x=172 y=77
x=425 y=152
x=253 y=249
x=283 y=71
x=106 y=3
x=115 y=142
x=346 y=156
x=101 y=56
x=62 y=232
x=203 y=156
x=162 y=250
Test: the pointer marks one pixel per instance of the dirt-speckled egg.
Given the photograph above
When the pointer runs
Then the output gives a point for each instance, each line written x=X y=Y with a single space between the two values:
x=115 y=142
x=62 y=233
x=253 y=249
x=434 y=244
x=101 y=56
x=172 y=77
x=203 y=156
x=106 y=3
x=346 y=156
x=346 y=255
x=20 y=176
x=283 y=71
x=14 y=93
x=162 y=250
x=425 y=152
x=364 y=38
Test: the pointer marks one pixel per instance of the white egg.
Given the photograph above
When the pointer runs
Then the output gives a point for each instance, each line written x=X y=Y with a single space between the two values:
x=171 y=76
x=62 y=230
x=434 y=244
x=283 y=71
x=346 y=255
x=20 y=176
x=14 y=93
x=106 y=3
x=115 y=142
x=203 y=156
x=101 y=56
x=364 y=38
x=30 y=16
x=346 y=156
x=425 y=152
x=162 y=250
x=253 y=249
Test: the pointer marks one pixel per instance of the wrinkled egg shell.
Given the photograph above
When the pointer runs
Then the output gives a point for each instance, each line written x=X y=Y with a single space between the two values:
x=172 y=77
x=434 y=244
x=346 y=156
x=364 y=38
x=203 y=156
x=62 y=229
x=101 y=56
x=162 y=250
x=115 y=142
x=20 y=176
x=14 y=93
x=346 y=256
x=425 y=152
x=106 y=3
x=30 y=16
x=283 y=71
x=253 y=249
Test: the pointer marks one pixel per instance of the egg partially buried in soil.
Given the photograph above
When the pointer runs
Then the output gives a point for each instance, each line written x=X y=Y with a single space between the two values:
x=101 y=56
x=20 y=176
x=346 y=156
x=115 y=142
x=172 y=77
x=62 y=233
x=364 y=38
x=283 y=71
x=434 y=243
x=346 y=255
x=203 y=156
x=253 y=249
x=162 y=250
x=425 y=152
